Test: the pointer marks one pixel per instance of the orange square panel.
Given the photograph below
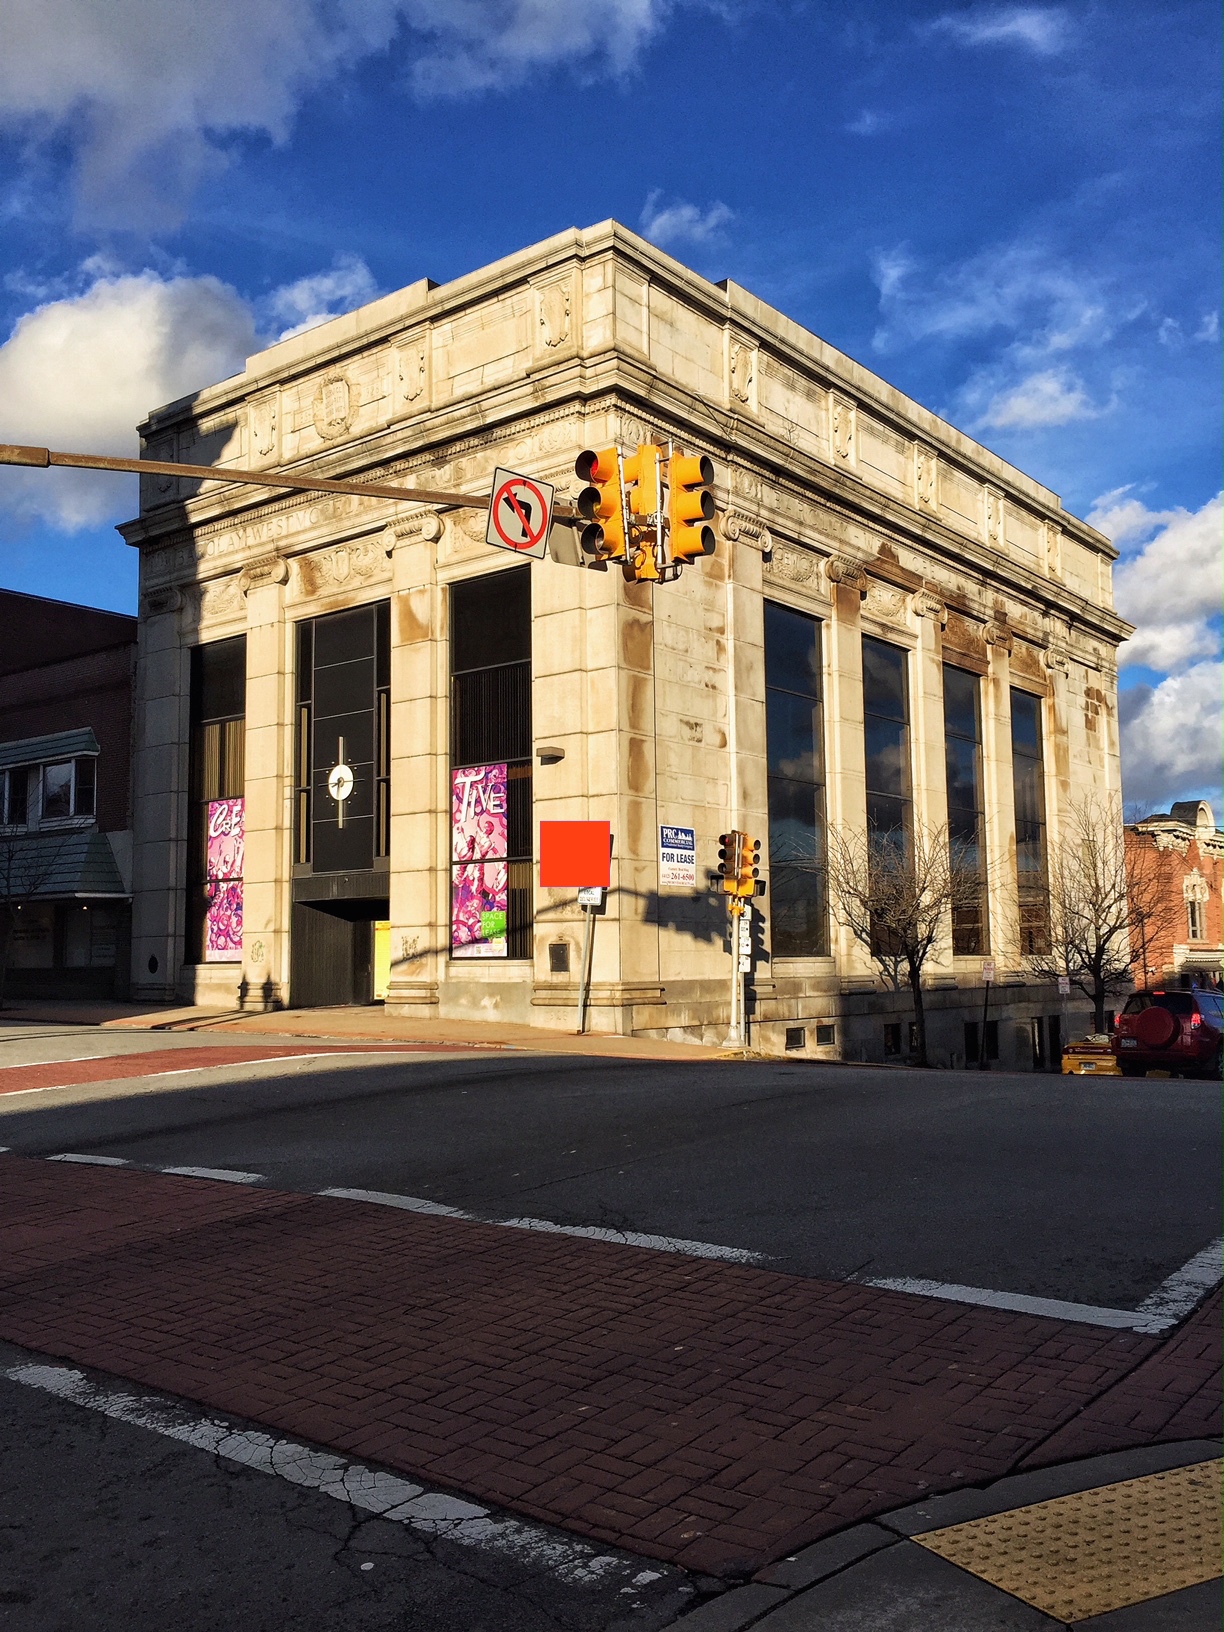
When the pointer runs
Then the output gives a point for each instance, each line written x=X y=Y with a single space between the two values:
x=575 y=855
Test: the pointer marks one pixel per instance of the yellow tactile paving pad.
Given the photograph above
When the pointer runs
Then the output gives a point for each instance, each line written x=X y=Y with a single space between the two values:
x=1099 y=1550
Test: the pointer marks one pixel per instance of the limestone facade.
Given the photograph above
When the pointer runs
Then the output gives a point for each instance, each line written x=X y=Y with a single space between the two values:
x=838 y=497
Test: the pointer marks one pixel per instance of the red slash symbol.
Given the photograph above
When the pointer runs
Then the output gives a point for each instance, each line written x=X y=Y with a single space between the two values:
x=524 y=501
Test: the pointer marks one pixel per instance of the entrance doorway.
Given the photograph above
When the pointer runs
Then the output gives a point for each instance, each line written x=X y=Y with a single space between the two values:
x=333 y=953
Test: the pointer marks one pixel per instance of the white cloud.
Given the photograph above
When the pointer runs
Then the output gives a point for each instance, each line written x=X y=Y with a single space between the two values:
x=1170 y=584
x=147 y=92
x=80 y=372
x=1208 y=330
x=310 y=301
x=868 y=123
x=680 y=222
x=1172 y=744
x=1050 y=396
x=1042 y=29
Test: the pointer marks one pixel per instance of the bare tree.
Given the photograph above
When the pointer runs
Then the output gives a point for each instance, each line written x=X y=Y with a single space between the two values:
x=1098 y=908
x=27 y=866
x=895 y=893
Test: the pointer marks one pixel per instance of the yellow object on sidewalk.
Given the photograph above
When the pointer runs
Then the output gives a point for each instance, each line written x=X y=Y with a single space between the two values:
x=1098 y=1550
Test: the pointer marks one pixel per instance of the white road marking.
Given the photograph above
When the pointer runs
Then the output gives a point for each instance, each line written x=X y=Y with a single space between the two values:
x=225 y=1174
x=1161 y=1309
x=590 y=1232
x=1176 y=1296
x=93 y=1161
x=385 y=1494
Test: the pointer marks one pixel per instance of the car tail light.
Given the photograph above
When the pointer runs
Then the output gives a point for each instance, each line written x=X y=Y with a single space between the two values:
x=1196 y=1019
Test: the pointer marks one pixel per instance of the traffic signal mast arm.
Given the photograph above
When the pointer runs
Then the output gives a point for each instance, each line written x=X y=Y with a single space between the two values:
x=41 y=458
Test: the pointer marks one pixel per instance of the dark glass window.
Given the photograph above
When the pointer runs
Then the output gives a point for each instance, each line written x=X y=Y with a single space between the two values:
x=1028 y=776
x=886 y=734
x=343 y=715
x=966 y=814
x=490 y=647
x=84 y=791
x=57 y=791
x=218 y=762
x=794 y=745
x=15 y=787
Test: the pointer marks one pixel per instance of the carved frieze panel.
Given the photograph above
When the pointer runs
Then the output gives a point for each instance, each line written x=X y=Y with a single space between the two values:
x=793 y=566
x=845 y=451
x=410 y=371
x=741 y=365
x=1053 y=549
x=324 y=572
x=263 y=429
x=334 y=405
x=962 y=634
x=994 y=518
x=1026 y=660
x=557 y=318
x=220 y=600
x=885 y=602
x=926 y=479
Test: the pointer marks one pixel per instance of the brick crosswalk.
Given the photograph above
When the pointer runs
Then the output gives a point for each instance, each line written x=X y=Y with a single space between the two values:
x=710 y=1414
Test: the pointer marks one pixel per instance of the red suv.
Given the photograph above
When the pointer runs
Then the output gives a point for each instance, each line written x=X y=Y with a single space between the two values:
x=1171 y=1031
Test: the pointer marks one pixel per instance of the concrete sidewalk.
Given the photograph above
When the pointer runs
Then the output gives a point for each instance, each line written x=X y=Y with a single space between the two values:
x=367 y=1023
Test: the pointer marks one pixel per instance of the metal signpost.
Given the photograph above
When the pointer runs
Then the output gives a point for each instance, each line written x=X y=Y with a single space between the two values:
x=988 y=975
x=579 y=854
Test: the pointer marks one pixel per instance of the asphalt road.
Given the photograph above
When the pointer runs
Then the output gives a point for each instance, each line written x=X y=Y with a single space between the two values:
x=1090 y=1191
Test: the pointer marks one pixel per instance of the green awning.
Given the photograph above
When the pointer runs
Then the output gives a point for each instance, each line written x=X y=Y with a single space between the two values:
x=42 y=750
x=58 y=866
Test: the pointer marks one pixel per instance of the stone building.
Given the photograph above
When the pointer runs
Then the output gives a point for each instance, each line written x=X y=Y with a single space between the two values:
x=895 y=620
x=1181 y=852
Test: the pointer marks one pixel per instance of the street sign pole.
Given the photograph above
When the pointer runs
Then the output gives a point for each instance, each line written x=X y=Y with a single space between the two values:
x=988 y=973
x=590 y=901
x=735 y=1032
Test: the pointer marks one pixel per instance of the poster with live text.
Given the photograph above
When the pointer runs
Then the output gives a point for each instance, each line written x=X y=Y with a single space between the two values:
x=480 y=891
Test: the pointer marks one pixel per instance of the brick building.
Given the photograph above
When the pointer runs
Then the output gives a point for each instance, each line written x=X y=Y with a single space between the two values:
x=66 y=685
x=897 y=627
x=1182 y=851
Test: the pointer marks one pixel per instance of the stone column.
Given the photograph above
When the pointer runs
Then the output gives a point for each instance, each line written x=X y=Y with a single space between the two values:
x=1000 y=801
x=268 y=866
x=846 y=785
x=420 y=804
x=159 y=813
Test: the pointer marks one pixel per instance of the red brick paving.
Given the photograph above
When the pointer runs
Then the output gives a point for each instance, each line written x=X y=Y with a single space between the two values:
x=1175 y=1394
x=17 y=1079
x=689 y=1409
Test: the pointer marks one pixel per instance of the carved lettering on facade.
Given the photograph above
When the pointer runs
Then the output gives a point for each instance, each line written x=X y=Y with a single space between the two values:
x=794 y=565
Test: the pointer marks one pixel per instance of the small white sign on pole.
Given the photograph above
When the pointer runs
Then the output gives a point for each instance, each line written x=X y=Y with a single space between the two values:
x=678 y=857
x=1064 y=985
x=591 y=895
x=988 y=970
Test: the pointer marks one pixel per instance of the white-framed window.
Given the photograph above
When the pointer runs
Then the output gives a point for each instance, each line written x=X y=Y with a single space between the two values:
x=1194 y=920
x=64 y=790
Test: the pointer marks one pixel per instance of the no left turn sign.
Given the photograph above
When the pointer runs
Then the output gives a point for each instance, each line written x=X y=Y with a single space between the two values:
x=520 y=513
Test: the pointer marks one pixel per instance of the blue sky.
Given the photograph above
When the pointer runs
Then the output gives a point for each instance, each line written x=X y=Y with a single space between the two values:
x=1009 y=211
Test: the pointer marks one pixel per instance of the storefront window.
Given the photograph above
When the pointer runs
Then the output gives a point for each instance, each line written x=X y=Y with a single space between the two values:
x=216 y=801
x=491 y=784
x=797 y=895
x=966 y=816
x=1028 y=775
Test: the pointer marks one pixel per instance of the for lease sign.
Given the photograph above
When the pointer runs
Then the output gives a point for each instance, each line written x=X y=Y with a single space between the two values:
x=678 y=856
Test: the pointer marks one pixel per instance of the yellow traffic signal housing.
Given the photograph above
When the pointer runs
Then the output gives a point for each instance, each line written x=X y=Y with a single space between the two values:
x=749 y=865
x=642 y=479
x=690 y=506
x=601 y=504
x=729 y=860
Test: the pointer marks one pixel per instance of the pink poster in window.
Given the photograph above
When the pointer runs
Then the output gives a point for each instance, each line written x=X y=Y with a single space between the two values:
x=480 y=884
x=224 y=857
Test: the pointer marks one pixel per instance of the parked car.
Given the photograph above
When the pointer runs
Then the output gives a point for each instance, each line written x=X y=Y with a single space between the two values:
x=1178 y=1032
x=1091 y=1056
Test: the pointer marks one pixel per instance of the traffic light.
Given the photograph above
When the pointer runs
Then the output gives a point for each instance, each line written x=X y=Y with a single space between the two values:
x=642 y=479
x=690 y=505
x=601 y=504
x=729 y=860
x=749 y=868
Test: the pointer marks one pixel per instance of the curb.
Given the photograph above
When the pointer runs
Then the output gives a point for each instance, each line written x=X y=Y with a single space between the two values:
x=742 y=1607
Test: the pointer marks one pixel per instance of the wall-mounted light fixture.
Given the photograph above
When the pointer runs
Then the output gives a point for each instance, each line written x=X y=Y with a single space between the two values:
x=548 y=755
